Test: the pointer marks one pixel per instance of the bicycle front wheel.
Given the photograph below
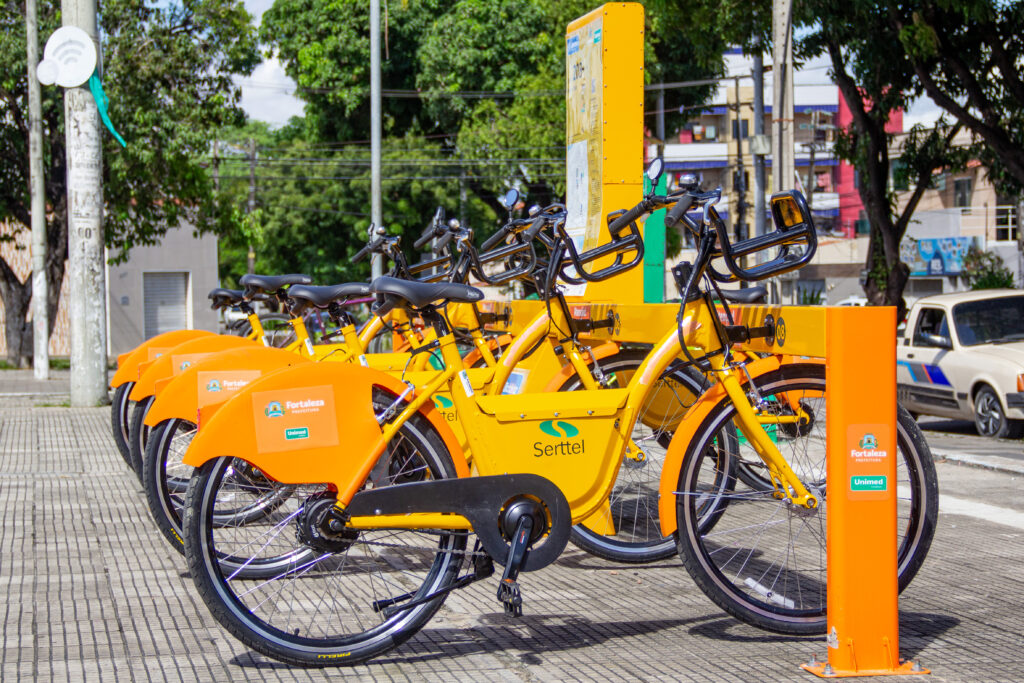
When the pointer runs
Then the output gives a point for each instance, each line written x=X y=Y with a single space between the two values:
x=333 y=599
x=758 y=558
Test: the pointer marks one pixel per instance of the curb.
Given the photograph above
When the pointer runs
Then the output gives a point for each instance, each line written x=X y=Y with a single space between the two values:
x=989 y=462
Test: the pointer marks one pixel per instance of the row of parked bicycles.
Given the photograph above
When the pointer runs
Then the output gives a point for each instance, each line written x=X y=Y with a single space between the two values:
x=328 y=495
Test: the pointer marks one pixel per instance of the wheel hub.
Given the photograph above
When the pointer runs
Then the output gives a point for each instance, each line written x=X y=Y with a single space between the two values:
x=322 y=527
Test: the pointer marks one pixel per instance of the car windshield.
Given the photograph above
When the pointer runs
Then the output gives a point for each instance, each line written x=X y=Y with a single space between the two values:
x=990 y=321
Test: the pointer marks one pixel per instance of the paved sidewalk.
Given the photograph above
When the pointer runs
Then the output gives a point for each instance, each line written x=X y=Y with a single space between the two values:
x=16 y=384
x=91 y=591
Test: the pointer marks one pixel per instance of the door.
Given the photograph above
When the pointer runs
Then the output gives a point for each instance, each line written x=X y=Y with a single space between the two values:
x=165 y=301
x=921 y=382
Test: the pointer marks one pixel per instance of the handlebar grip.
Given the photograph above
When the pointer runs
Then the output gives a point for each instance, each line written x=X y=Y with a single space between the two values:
x=443 y=240
x=361 y=254
x=535 y=227
x=427 y=235
x=494 y=239
x=624 y=219
x=677 y=211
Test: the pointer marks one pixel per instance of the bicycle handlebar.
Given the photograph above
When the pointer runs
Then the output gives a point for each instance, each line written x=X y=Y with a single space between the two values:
x=369 y=247
x=794 y=228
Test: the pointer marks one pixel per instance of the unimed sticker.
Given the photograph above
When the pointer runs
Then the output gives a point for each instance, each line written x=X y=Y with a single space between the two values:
x=153 y=353
x=868 y=462
x=295 y=419
x=218 y=386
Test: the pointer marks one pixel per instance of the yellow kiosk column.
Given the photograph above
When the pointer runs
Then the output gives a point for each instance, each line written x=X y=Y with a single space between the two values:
x=604 y=90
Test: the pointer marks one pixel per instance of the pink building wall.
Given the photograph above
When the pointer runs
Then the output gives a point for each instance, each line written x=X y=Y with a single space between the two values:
x=850 y=204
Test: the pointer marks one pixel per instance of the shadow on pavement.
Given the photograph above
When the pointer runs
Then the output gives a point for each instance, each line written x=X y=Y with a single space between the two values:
x=733 y=630
x=919 y=629
x=530 y=635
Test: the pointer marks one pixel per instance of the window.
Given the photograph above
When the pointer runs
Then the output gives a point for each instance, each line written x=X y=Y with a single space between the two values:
x=930 y=321
x=962 y=193
x=862 y=226
x=744 y=128
x=900 y=180
x=1006 y=223
x=990 y=320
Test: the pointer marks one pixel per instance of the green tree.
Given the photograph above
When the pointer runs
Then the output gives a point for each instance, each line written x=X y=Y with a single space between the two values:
x=168 y=75
x=492 y=78
x=986 y=270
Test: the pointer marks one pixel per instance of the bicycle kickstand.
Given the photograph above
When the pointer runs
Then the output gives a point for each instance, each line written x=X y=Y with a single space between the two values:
x=509 y=594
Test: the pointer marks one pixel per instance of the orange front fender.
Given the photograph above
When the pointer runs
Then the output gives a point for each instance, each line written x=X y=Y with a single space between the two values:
x=128 y=363
x=311 y=423
x=686 y=432
x=169 y=364
x=211 y=381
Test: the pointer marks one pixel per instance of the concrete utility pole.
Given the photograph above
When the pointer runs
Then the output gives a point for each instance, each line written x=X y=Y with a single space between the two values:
x=37 y=191
x=783 y=141
x=741 y=172
x=251 y=258
x=86 y=271
x=660 y=123
x=376 y=212
x=759 y=167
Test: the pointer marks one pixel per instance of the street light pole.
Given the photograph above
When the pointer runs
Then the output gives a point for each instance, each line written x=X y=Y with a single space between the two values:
x=376 y=208
x=86 y=270
x=759 y=167
x=37 y=190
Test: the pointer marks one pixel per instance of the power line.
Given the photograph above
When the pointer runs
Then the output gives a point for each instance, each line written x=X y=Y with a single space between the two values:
x=393 y=179
x=396 y=162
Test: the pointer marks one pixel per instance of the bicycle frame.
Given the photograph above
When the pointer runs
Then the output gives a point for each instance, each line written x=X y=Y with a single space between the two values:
x=523 y=424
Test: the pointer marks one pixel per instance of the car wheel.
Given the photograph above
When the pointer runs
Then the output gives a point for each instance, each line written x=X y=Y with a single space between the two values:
x=989 y=417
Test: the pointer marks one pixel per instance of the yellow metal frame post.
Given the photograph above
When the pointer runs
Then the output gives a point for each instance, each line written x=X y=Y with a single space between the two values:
x=604 y=91
x=863 y=619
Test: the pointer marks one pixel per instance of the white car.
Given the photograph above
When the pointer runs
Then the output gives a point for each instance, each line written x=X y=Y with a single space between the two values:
x=962 y=356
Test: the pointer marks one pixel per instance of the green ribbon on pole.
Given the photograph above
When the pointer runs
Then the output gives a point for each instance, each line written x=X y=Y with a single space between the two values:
x=96 y=88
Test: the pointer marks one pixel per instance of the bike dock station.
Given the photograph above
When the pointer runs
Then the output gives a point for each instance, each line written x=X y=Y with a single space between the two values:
x=386 y=455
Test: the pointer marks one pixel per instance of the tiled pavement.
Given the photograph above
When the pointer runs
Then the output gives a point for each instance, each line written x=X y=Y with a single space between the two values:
x=91 y=591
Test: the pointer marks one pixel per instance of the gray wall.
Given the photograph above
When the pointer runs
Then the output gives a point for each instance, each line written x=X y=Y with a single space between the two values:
x=178 y=251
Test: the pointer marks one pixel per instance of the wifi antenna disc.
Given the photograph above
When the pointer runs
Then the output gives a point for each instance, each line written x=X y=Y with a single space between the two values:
x=69 y=58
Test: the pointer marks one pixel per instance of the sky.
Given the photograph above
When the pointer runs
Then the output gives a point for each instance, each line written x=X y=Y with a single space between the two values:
x=267 y=93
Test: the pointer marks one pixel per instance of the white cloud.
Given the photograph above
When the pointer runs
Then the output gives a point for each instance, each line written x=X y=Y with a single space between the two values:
x=268 y=94
x=922 y=111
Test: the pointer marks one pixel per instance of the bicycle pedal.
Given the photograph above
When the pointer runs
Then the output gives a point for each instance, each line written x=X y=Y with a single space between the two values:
x=510 y=596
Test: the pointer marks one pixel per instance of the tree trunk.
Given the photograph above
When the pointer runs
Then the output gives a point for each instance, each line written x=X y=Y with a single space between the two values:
x=17 y=331
x=17 y=295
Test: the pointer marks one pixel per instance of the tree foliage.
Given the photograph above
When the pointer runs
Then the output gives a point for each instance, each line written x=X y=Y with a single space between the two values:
x=483 y=82
x=986 y=270
x=167 y=71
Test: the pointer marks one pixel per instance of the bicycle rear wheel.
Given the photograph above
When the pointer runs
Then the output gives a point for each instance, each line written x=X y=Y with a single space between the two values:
x=325 y=605
x=120 y=419
x=138 y=435
x=760 y=559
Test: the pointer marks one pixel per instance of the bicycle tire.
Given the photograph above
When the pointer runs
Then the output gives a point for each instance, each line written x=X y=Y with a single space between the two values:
x=120 y=416
x=166 y=479
x=634 y=497
x=751 y=539
x=335 y=630
x=138 y=435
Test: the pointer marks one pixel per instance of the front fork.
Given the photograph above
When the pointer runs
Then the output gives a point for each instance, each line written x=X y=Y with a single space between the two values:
x=787 y=484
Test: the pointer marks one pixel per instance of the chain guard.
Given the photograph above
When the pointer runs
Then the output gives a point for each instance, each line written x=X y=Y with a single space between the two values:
x=480 y=500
